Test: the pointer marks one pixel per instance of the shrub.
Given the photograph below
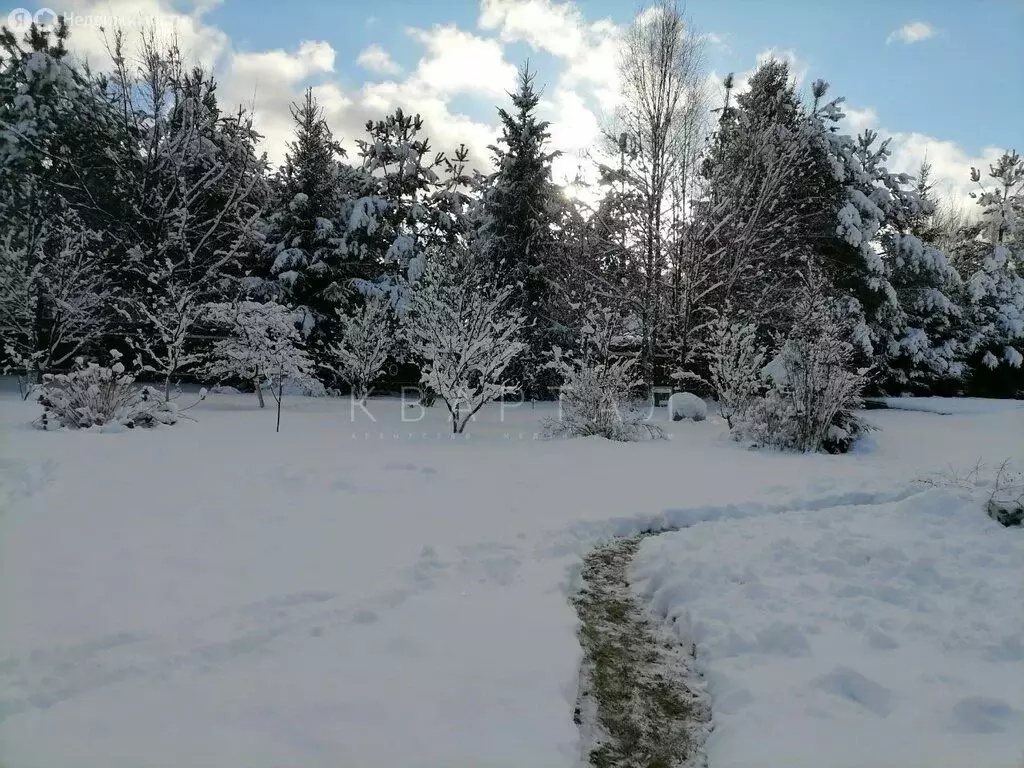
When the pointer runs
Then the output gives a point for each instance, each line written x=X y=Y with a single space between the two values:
x=810 y=398
x=736 y=365
x=96 y=396
x=599 y=399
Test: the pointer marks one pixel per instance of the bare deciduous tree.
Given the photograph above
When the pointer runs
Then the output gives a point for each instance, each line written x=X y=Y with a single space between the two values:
x=660 y=122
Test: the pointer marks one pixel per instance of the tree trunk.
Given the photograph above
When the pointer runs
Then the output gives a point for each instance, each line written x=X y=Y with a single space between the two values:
x=280 y=396
x=259 y=391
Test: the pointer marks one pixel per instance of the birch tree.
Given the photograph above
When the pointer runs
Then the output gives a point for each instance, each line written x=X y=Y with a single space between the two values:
x=661 y=72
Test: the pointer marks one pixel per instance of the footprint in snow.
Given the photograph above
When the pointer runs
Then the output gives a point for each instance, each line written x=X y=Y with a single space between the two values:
x=981 y=714
x=850 y=684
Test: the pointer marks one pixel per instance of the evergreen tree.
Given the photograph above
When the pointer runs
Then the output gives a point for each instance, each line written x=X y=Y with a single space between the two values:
x=994 y=262
x=197 y=189
x=58 y=202
x=306 y=230
x=901 y=291
x=415 y=200
x=518 y=231
x=771 y=191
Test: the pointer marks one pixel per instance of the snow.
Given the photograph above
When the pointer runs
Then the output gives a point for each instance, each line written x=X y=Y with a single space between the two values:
x=946 y=406
x=686 y=405
x=355 y=591
x=886 y=635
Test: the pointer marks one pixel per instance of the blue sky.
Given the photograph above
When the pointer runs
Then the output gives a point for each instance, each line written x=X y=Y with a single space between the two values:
x=941 y=77
x=957 y=84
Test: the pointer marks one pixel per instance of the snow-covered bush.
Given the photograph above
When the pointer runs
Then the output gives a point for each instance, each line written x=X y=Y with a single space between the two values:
x=459 y=326
x=263 y=346
x=599 y=391
x=810 y=398
x=361 y=353
x=686 y=405
x=97 y=396
x=736 y=364
x=600 y=399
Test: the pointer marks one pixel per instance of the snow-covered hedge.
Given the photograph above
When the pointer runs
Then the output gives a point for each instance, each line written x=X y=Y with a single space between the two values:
x=97 y=396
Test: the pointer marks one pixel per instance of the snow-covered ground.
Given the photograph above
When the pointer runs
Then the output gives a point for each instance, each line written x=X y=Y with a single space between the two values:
x=887 y=635
x=357 y=592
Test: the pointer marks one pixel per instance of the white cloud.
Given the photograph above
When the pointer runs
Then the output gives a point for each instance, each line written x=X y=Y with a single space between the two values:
x=912 y=32
x=557 y=28
x=950 y=163
x=857 y=120
x=590 y=49
x=575 y=131
x=311 y=58
x=459 y=62
x=376 y=59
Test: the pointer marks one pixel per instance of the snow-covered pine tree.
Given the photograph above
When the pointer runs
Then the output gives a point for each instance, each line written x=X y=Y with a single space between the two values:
x=305 y=229
x=901 y=291
x=460 y=326
x=757 y=216
x=517 y=235
x=770 y=196
x=411 y=206
x=994 y=261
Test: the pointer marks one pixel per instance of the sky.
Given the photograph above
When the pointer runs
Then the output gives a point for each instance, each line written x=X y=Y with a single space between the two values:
x=941 y=78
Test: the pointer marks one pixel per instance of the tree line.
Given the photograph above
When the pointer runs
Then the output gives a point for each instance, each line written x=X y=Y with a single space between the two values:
x=137 y=213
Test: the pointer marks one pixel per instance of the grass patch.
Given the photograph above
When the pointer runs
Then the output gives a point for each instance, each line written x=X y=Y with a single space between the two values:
x=633 y=697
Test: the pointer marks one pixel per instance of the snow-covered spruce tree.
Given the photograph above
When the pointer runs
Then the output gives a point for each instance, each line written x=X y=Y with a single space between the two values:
x=263 y=347
x=197 y=189
x=995 y=258
x=461 y=329
x=901 y=290
x=364 y=345
x=517 y=237
x=736 y=363
x=305 y=228
x=601 y=380
x=812 y=386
